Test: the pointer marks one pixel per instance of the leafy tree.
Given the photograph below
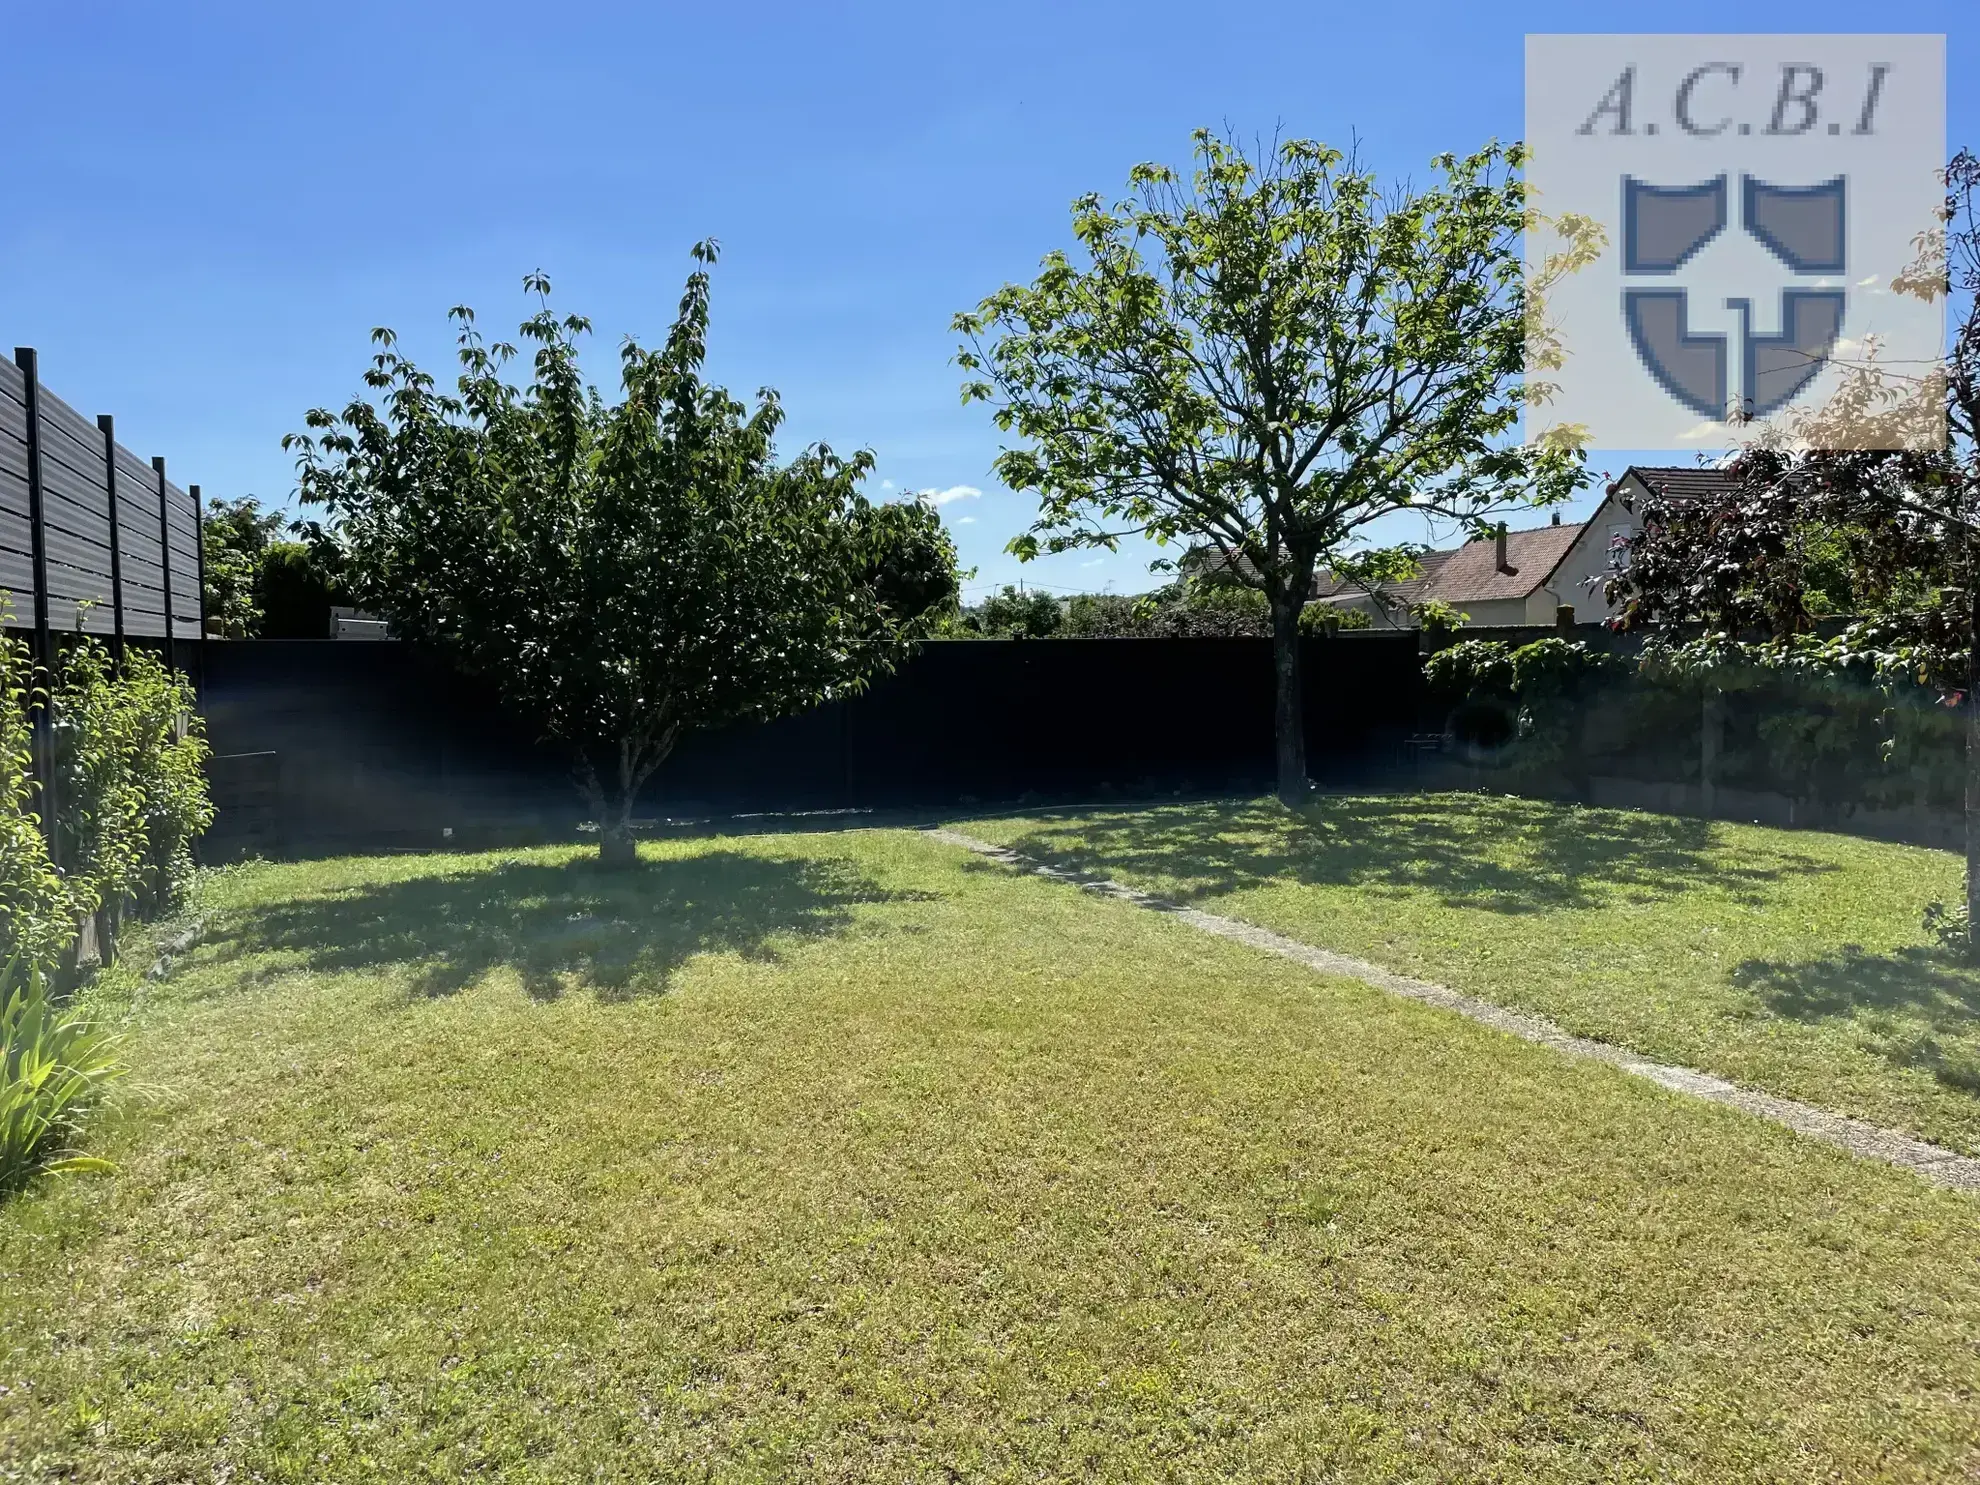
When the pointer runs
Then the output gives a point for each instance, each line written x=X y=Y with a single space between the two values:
x=1013 y=613
x=1874 y=497
x=259 y=586
x=236 y=535
x=1271 y=356
x=293 y=593
x=621 y=572
x=1331 y=619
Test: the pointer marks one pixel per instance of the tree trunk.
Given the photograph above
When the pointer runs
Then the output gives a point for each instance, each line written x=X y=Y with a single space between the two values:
x=1972 y=709
x=1288 y=724
x=108 y=919
x=616 y=847
x=611 y=811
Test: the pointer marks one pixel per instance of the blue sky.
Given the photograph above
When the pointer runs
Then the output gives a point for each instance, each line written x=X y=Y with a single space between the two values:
x=209 y=207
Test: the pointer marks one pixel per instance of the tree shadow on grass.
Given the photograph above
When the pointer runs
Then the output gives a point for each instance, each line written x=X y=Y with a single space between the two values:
x=1502 y=854
x=1912 y=1003
x=622 y=932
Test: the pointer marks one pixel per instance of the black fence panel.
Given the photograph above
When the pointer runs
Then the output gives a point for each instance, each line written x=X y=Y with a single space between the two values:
x=323 y=745
x=108 y=532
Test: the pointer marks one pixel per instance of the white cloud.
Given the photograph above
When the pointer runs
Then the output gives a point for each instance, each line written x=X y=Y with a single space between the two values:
x=950 y=495
x=965 y=521
x=886 y=484
x=1094 y=563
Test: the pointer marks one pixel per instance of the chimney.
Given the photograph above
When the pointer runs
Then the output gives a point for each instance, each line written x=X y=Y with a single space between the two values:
x=1557 y=518
x=1499 y=549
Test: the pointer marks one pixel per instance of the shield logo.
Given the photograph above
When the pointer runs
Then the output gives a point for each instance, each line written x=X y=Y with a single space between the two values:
x=1665 y=227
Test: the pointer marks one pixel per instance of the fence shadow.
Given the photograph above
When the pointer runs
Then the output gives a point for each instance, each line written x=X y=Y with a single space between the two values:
x=1912 y=1000
x=622 y=933
x=1501 y=854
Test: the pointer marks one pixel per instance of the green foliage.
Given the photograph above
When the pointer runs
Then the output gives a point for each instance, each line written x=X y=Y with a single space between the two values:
x=100 y=818
x=1536 y=696
x=56 y=1064
x=235 y=535
x=169 y=767
x=1560 y=670
x=1471 y=668
x=129 y=760
x=1265 y=357
x=1238 y=352
x=259 y=586
x=1867 y=714
x=293 y=593
x=1200 y=607
x=1843 y=719
x=1436 y=616
x=130 y=755
x=621 y=572
x=37 y=909
x=1013 y=613
x=1107 y=616
x=1329 y=619
x=1949 y=926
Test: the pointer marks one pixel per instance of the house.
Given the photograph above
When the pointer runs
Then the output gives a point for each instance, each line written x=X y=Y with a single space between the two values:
x=1524 y=577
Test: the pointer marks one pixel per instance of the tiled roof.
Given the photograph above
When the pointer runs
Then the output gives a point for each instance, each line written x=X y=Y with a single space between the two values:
x=1327 y=585
x=1680 y=481
x=1471 y=573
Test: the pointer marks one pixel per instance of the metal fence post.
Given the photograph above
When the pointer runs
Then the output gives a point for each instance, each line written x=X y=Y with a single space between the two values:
x=199 y=592
x=44 y=639
x=109 y=426
x=165 y=557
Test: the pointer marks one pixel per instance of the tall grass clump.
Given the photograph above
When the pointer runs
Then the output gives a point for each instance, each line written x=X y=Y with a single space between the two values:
x=57 y=1065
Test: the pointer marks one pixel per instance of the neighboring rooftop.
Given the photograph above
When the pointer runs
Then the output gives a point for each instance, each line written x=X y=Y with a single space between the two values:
x=1677 y=481
x=1471 y=573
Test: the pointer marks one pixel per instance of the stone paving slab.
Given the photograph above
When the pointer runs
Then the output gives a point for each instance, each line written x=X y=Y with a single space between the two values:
x=1935 y=1163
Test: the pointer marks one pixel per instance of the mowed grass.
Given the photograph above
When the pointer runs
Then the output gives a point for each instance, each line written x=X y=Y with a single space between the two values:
x=1791 y=961
x=851 y=1157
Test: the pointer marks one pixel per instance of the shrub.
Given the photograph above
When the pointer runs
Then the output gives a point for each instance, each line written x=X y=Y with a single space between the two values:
x=37 y=910
x=55 y=1067
x=1330 y=619
x=1949 y=926
x=1014 y=613
x=1106 y=616
x=169 y=766
x=1470 y=669
x=130 y=755
x=293 y=593
x=100 y=807
x=1435 y=616
x=1536 y=694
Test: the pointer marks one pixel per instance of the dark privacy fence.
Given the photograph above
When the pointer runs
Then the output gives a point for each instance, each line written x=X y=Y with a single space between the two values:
x=88 y=527
x=328 y=746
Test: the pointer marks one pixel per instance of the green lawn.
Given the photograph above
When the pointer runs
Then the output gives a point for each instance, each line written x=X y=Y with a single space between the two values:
x=1787 y=960
x=853 y=1157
